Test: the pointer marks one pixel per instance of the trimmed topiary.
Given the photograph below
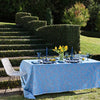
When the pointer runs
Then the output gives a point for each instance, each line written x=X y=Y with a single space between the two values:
x=61 y=34
x=18 y=16
x=26 y=19
x=34 y=24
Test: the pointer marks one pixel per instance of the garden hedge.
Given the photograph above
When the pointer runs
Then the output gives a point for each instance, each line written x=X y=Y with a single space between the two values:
x=91 y=34
x=61 y=35
x=18 y=16
x=26 y=19
x=96 y=57
x=10 y=84
x=34 y=24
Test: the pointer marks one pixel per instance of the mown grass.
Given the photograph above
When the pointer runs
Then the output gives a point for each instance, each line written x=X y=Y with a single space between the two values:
x=88 y=94
x=89 y=45
x=7 y=23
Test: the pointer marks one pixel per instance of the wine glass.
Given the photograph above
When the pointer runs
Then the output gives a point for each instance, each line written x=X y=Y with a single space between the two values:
x=87 y=56
x=38 y=55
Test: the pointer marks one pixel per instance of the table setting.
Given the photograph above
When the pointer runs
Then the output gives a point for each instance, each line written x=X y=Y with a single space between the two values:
x=59 y=74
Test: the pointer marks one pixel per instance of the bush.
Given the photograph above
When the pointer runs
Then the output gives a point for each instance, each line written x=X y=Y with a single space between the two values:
x=61 y=35
x=26 y=19
x=49 y=17
x=98 y=21
x=34 y=24
x=93 y=7
x=78 y=15
x=96 y=57
x=18 y=16
x=91 y=34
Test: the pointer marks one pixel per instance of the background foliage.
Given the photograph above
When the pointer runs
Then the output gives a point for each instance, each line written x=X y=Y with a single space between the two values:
x=77 y=14
x=8 y=9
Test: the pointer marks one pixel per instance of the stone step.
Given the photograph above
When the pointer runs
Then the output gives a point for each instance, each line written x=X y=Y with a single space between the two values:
x=12 y=83
x=8 y=25
x=10 y=92
x=21 y=41
x=7 y=78
x=4 y=74
x=15 y=33
x=18 y=37
x=24 y=46
x=15 y=67
x=18 y=53
x=11 y=29
x=15 y=61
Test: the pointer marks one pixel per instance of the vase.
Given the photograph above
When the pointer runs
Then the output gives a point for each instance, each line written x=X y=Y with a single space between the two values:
x=61 y=56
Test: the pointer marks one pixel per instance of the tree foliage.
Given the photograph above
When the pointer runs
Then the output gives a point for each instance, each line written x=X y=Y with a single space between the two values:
x=8 y=9
x=77 y=14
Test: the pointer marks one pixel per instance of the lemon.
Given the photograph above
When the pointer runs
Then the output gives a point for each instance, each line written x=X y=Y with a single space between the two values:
x=52 y=60
x=83 y=58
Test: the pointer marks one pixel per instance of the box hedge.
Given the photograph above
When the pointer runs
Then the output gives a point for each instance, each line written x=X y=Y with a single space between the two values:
x=18 y=16
x=90 y=34
x=61 y=34
x=26 y=19
x=34 y=24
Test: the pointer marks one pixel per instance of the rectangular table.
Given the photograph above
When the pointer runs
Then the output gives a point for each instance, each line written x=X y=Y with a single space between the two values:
x=53 y=78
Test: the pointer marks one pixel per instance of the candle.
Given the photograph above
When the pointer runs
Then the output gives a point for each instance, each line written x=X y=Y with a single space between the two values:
x=38 y=54
x=46 y=51
x=71 y=57
x=72 y=51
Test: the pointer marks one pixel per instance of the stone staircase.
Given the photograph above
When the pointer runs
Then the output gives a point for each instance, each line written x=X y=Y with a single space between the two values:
x=18 y=44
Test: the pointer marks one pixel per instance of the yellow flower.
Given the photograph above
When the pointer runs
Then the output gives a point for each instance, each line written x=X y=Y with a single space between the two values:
x=60 y=47
x=55 y=48
x=66 y=47
x=63 y=46
x=62 y=50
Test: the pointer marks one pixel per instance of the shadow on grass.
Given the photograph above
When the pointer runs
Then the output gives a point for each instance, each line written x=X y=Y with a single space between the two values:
x=11 y=93
x=54 y=95
x=45 y=96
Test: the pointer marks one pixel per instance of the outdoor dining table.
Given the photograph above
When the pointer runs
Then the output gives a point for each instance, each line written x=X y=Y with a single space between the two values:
x=58 y=77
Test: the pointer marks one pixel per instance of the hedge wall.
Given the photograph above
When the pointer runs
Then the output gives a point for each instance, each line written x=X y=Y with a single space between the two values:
x=26 y=19
x=34 y=24
x=61 y=35
x=91 y=34
x=18 y=16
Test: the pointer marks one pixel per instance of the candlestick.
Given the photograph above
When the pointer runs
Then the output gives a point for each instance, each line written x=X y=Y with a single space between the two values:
x=71 y=57
x=46 y=51
x=38 y=54
x=72 y=51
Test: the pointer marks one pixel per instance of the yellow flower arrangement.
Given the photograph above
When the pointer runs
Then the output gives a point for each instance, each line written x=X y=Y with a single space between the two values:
x=60 y=50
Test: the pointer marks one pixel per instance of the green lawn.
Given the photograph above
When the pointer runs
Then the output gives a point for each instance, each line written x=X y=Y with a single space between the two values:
x=7 y=23
x=88 y=94
x=90 y=45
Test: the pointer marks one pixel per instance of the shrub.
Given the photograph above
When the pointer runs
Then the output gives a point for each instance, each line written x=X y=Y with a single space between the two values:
x=93 y=8
x=49 y=17
x=29 y=18
x=34 y=24
x=78 y=15
x=26 y=19
x=91 y=34
x=61 y=35
x=98 y=21
x=18 y=16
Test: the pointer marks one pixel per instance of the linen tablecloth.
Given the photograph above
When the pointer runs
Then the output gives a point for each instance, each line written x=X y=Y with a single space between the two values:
x=61 y=77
